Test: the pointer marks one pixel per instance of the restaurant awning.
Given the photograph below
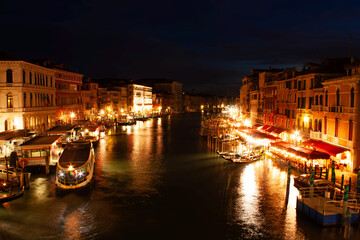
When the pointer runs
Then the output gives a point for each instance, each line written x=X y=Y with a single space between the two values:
x=325 y=147
x=265 y=127
x=278 y=131
x=256 y=134
x=301 y=151
x=270 y=129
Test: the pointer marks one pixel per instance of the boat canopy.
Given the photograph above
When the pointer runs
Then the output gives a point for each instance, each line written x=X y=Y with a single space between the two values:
x=75 y=154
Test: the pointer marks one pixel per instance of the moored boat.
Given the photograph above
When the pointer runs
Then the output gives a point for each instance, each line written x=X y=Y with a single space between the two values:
x=246 y=159
x=11 y=195
x=75 y=167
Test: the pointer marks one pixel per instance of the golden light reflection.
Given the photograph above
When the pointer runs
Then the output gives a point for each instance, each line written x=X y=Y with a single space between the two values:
x=72 y=226
x=40 y=189
x=248 y=203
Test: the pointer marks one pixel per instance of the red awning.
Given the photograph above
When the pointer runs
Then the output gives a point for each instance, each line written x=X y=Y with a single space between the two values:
x=270 y=129
x=278 y=131
x=261 y=135
x=265 y=127
x=325 y=147
x=301 y=151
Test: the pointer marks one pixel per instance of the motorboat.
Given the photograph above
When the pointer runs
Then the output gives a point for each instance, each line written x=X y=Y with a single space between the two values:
x=75 y=168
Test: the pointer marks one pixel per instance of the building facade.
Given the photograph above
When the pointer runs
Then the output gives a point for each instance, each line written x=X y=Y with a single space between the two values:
x=27 y=96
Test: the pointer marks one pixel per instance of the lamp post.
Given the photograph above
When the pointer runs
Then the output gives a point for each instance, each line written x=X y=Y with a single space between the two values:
x=72 y=115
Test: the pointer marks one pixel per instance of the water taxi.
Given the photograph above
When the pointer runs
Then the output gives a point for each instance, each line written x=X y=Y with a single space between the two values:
x=75 y=167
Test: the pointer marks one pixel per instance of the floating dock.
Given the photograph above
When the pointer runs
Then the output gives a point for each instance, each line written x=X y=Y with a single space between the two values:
x=326 y=211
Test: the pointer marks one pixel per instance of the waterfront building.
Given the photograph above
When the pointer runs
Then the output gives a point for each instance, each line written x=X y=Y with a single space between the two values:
x=139 y=99
x=123 y=96
x=89 y=95
x=103 y=99
x=168 y=90
x=27 y=95
x=68 y=95
x=319 y=102
x=191 y=102
x=68 y=92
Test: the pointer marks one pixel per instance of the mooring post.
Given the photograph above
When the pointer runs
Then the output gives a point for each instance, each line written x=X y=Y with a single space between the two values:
x=350 y=184
x=358 y=181
x=345 y=200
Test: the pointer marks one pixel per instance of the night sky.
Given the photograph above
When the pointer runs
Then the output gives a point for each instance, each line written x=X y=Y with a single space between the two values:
x=207 y=45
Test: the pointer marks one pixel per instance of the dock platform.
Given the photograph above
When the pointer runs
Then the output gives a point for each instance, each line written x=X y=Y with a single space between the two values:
x=325 y=211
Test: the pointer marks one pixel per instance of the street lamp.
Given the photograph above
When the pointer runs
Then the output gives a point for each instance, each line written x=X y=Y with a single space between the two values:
x=72 y=115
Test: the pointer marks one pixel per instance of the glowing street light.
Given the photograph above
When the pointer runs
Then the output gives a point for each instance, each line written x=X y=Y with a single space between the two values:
x=72 y=115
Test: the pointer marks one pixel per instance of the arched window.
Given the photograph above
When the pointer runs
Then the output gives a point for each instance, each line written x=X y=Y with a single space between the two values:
x=315 y=125
x=336 y=127
x=352 y=97
x=24 y=100
x=326 y=98
x=325 y=125
x=317 y=100
x=351 y=128
x=338 y=97
x=31 y=100
x=9 y=76
x=321 y=100
x=30 y=78
x=10 y=100
x=24 y=80
x=320 y=125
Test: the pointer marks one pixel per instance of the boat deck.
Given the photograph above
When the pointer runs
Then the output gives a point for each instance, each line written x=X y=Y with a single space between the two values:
x=326 y=211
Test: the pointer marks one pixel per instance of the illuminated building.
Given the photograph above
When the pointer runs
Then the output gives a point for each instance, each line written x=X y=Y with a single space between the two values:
x=318 y=101
x=139 y=99
x=27 y=93
x=89 y=99
x=68 y=91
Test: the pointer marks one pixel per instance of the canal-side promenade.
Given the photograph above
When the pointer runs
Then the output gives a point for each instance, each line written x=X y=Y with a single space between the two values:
x=234 y=135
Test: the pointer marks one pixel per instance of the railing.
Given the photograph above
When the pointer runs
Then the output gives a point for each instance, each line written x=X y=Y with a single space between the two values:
x=328 y=199
x=315 y=135
x=317 y=108
x=336 y=109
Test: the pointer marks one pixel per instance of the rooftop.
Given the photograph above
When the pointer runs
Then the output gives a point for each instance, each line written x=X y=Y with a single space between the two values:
x=41 y=141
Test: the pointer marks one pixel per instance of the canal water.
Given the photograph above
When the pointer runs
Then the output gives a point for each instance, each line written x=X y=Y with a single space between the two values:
x=160 y=180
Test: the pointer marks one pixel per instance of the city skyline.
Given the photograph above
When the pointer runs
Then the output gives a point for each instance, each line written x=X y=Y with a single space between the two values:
x=208 y=47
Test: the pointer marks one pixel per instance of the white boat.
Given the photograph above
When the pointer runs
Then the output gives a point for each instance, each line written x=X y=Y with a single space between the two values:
x=75 y=168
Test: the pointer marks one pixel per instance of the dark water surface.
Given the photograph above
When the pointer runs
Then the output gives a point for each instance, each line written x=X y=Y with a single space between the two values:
x=159 y=180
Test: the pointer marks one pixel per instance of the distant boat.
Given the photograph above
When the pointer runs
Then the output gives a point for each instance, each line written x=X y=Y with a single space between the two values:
x=75 y=168
x=246 y=159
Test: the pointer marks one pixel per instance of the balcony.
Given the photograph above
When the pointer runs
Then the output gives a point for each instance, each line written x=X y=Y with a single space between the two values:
x=351 y=110
x=317 y=108
x=336 y=109
x=315 y=135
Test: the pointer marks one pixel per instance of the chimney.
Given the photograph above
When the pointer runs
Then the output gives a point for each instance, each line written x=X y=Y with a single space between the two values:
x=298 y=68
